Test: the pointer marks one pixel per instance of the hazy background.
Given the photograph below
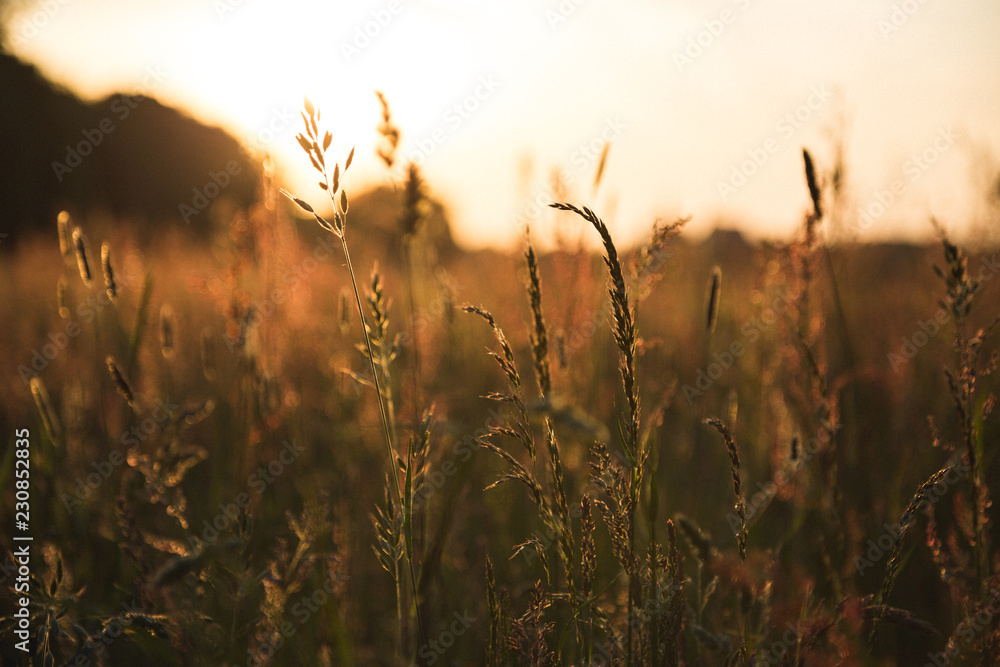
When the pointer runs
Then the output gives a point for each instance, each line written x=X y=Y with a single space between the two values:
x=540 y=85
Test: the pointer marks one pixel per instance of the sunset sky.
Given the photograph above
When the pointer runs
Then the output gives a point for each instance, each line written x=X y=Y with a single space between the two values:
x=707 y=104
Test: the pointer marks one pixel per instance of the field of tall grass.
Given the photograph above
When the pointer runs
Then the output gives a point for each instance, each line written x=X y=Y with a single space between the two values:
x=300 y=445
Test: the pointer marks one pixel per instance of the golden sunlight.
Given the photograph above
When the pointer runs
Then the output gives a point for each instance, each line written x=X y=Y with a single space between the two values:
x=715 y=284
x=481 y=91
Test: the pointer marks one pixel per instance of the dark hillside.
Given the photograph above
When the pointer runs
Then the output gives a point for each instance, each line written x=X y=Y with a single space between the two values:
x=126 y=155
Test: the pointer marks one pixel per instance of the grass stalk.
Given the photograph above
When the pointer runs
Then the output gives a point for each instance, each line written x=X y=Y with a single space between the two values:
x=961 y=290
x=409 y=223
x=623 y=328
x=316 y=150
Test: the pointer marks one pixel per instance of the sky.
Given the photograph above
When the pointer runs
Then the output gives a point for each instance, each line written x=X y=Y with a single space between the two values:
x=706 y=105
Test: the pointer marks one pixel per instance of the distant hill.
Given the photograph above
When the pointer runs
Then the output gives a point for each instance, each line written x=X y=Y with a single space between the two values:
x=129 y=156
x=377 y=212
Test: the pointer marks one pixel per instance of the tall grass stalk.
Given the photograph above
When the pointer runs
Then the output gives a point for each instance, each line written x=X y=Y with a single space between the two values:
x=917 y=503
x=540 y=356
x=623 y=328
x=316 y=149
x=409 y=222
x=962 y=385
x=741 y=534
x=552 y=506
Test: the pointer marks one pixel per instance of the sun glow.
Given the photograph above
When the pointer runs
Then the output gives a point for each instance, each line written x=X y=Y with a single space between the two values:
x=479 y=90
x=247 y=66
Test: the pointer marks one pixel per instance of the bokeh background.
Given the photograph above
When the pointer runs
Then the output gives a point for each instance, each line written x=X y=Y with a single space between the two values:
x=685 y=91
x=211 y=501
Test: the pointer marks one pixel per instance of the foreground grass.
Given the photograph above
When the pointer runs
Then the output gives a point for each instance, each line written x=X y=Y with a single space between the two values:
x=220 y=475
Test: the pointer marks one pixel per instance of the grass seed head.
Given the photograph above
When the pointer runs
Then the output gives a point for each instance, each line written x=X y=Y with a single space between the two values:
x=50 y=419
x=539 y=335
x=109 y=272
x=389 y=133
x=65 y=235
x=601 y=163
x=413 y=197
x=62 y=299
x=506 y=361
x=588 y=550
x=917 y=503
x=813 y=184
x=701 y=543
x=80 y=245
x=961 y=288
x=623 y=326
x=714 y=292
x=734 y=469
x=167 y=325
x=120 y=383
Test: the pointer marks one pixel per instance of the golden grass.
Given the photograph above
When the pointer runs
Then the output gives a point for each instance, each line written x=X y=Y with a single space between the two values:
x=250 y=498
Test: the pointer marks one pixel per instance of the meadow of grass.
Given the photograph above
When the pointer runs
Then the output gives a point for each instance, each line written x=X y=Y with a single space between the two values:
x=295 y=445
